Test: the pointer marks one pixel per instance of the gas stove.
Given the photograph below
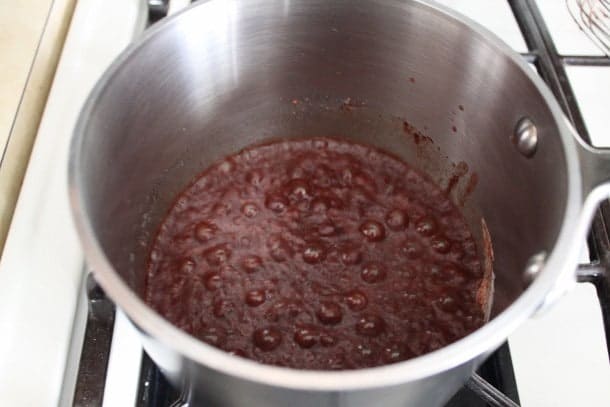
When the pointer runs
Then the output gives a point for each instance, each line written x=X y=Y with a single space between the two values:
x=64 y=338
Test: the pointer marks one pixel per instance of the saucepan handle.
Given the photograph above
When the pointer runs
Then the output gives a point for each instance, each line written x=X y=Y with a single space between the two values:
x=595 y=172
x=594 y=165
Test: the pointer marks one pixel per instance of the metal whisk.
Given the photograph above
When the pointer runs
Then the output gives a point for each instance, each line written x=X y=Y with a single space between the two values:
x=593 y=18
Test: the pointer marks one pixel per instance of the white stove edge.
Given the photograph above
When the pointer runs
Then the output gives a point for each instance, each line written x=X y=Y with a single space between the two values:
x=42 y=263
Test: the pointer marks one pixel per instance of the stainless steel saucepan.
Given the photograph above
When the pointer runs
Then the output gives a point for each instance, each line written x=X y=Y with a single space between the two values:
x=226 y=74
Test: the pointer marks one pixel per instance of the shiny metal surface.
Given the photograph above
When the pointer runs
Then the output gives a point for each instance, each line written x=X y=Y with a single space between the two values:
x=224 y=74
x=526 y=137
x=533 y=267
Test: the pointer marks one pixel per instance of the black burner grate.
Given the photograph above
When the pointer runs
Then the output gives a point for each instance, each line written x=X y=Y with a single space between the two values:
x=494 y=385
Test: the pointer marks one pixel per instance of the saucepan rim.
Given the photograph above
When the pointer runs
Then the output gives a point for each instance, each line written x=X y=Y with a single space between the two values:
x=560 y=263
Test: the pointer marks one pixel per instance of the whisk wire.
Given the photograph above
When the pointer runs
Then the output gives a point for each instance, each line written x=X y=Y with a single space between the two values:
x=593 y=18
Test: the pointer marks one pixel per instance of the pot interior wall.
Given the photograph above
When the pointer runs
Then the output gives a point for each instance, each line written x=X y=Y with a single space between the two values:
x=221 y=77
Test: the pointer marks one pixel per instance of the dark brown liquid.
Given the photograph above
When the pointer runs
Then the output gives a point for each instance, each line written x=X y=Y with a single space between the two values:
x=316 y=254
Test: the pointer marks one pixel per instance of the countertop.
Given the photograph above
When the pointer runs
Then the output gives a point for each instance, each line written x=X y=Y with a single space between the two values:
x=32 y=34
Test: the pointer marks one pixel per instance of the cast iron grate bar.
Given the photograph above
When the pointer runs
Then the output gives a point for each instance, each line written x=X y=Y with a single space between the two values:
x=91 y=378
x=596 y=273
x=536 y=44
x=157 y=9
x=154 y=389
x=530 y=57
x=586 y=60
x=488 y=393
